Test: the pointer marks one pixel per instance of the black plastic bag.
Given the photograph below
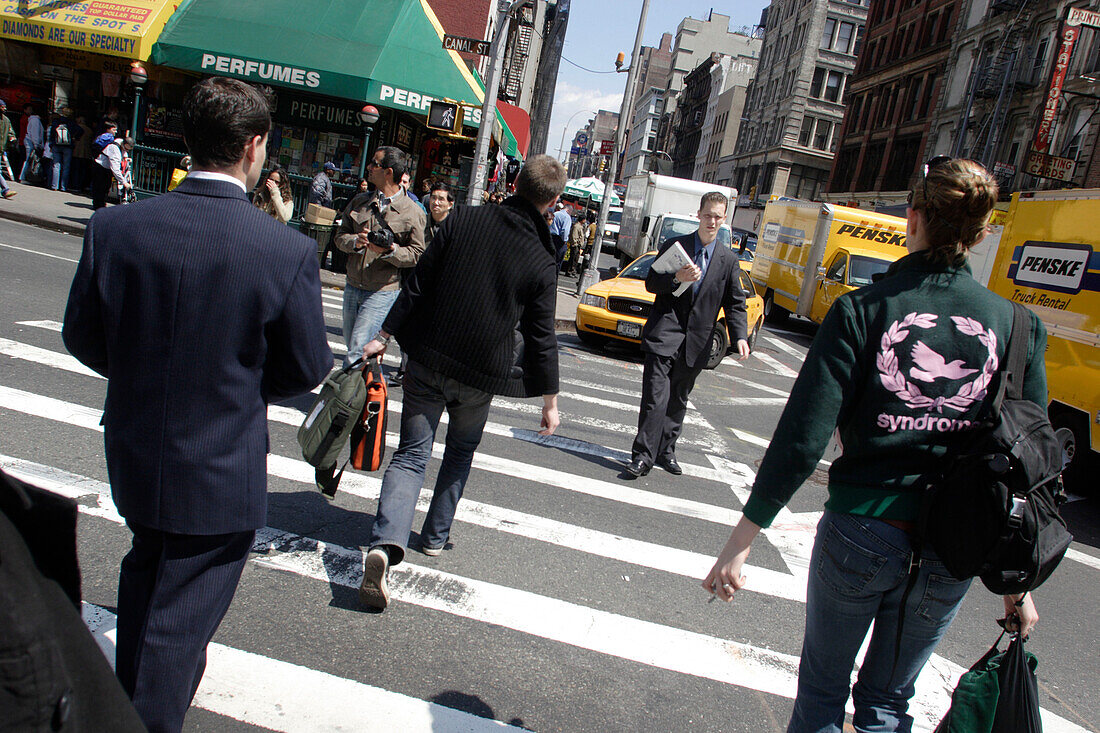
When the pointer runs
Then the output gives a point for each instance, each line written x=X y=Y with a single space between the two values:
x=1018 y=704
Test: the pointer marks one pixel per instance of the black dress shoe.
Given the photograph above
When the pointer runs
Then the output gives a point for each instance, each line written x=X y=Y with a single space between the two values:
x=636 y=468
x=670 y=464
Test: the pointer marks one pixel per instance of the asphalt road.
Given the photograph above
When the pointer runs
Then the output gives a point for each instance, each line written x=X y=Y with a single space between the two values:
x=570 y=599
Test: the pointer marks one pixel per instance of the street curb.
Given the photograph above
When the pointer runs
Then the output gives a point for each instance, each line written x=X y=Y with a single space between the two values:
x=42 y=223
x=564 y=324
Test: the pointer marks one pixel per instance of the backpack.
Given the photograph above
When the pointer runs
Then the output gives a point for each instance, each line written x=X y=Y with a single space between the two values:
x=101 y=142
x=992 y=513
x=61 y=135
x=330 y=421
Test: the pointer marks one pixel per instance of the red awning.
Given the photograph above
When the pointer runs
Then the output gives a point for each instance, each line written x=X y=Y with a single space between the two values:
x=519 y=122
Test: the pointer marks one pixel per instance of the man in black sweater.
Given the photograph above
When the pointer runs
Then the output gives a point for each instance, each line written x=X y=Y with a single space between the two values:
x=476 y=318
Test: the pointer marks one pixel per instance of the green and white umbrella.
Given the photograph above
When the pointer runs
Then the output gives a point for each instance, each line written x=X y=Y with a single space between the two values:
x=589 y=188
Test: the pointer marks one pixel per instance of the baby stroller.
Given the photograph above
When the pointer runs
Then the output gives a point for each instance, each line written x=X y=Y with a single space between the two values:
x=126 y=194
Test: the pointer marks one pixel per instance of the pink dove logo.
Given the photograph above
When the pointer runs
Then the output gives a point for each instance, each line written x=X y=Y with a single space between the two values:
x=930 y=366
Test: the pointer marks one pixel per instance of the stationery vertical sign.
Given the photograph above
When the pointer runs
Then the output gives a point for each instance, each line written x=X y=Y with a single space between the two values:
x=1067 y=37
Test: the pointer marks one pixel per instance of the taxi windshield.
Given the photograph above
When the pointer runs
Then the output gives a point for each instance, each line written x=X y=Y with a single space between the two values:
x=638 y=269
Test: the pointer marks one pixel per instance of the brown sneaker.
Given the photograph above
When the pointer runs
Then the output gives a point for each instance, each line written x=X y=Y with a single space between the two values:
x=10 y=194
x=373 y=592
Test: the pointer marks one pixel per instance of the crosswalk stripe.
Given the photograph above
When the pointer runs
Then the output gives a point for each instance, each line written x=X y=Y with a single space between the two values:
x=784 y=346
x=281 y=696
x=55 y=359
x=47 y=325
x=756 y=440
x=755 y=385
x=777 y=366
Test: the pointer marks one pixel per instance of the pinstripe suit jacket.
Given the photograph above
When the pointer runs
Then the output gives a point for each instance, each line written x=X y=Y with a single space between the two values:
x=199 y=309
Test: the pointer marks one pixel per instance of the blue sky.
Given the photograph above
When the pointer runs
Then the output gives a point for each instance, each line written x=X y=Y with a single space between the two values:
x=600 y=29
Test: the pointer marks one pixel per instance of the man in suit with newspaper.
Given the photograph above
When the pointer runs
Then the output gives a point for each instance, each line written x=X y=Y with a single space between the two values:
x=676 y=336
x=200 y=310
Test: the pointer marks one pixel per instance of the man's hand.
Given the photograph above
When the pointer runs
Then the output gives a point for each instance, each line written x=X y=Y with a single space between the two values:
x=688 y=274
x=742 y=349
x=373 y=348
x=550 y=420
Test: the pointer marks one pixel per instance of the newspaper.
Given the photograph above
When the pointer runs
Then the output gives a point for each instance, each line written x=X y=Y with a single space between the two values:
x=673 y=259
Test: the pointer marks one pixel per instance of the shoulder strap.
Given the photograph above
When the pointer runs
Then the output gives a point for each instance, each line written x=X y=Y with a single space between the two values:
x=1016 y=358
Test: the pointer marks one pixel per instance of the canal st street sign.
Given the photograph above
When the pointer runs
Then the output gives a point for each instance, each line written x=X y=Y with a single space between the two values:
x=1049 y=166
x=466 y=45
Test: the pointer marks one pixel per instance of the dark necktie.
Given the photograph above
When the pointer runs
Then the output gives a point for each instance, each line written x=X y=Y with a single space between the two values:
x=701 y=261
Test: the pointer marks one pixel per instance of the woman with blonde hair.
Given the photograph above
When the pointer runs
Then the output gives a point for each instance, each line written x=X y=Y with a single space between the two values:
x=925 y=341
x=274 y=197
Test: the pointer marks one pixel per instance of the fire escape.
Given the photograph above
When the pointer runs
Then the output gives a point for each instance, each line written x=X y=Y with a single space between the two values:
x=993 y=83
x=519 y=48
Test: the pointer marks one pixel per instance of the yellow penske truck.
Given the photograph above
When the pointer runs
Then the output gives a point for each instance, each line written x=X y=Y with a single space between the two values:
x=1049 y=261
x=809 y=254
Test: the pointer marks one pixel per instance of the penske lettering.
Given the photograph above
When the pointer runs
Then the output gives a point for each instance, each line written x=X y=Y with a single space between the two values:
x=260 y=70
x=1053 y=266
x=871 y=234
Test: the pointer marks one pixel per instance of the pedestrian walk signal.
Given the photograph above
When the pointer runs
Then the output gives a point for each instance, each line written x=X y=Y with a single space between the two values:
x=444 y=116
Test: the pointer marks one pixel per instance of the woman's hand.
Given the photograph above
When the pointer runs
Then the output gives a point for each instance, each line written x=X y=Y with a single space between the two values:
x=725 y=578
x=272 y=186
x=1022 y=617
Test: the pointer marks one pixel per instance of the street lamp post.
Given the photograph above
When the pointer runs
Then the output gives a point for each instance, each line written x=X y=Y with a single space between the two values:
x=138 y=75
x=368 y=116
x=566 y=129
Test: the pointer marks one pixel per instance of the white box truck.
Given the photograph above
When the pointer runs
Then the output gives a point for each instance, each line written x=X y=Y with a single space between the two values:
x=657 y=207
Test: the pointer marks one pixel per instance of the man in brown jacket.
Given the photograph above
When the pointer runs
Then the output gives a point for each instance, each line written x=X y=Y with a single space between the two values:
x=383 y=231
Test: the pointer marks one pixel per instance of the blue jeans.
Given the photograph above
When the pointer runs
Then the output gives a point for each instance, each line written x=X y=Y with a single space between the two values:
x=425 y=394
x=858 y=573
x=364 y=312
x=62 y=163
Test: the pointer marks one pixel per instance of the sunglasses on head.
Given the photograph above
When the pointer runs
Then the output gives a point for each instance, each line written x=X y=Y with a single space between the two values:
x=927 y=168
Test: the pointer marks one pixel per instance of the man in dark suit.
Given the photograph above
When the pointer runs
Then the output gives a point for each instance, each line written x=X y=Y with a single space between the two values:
x=676 y=337
x=200 y=310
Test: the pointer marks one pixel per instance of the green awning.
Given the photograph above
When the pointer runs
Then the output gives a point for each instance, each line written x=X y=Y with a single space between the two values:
x=385 y=52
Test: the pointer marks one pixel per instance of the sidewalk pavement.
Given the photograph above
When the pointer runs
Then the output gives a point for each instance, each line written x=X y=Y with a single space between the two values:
x=69 y=213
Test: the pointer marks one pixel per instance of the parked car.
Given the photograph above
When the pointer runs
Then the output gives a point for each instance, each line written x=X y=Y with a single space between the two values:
x=617 y=308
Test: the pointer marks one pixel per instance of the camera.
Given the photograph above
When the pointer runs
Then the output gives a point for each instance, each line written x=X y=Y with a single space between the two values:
x=381 y=238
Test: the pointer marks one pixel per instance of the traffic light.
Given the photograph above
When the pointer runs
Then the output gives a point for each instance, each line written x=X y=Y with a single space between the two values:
x=603 y=164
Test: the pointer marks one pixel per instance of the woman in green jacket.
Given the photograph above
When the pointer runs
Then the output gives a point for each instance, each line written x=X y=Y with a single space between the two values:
x=896 y=369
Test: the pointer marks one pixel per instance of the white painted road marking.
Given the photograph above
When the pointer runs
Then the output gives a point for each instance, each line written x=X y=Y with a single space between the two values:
x=36 y=252
x=281 y=696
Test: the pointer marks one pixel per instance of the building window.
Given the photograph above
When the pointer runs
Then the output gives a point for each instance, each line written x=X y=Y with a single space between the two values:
x=1076 y=133
x=827 y=34
x=818 y=83
x=844 y=37
x=806 y=131
x=859 y=41
x=915 y=98
x=821 y=136
x=945 y=23
x=832 y=86
x=1039 y=61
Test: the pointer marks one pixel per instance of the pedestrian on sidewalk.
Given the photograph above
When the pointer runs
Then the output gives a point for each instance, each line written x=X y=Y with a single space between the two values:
x=200 y=310
x=274 y=197
x=7 y=140
x=676 y=336
x=33 y=140
x=869 y=342
x=576 y=244
x=383 y=232
x=108 y=169
x=320 y=190
x=79 y=179
x=63 y=135
x=477 y=319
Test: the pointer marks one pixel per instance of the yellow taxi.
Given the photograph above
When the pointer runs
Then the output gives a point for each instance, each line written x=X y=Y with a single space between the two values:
x=617 y=308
